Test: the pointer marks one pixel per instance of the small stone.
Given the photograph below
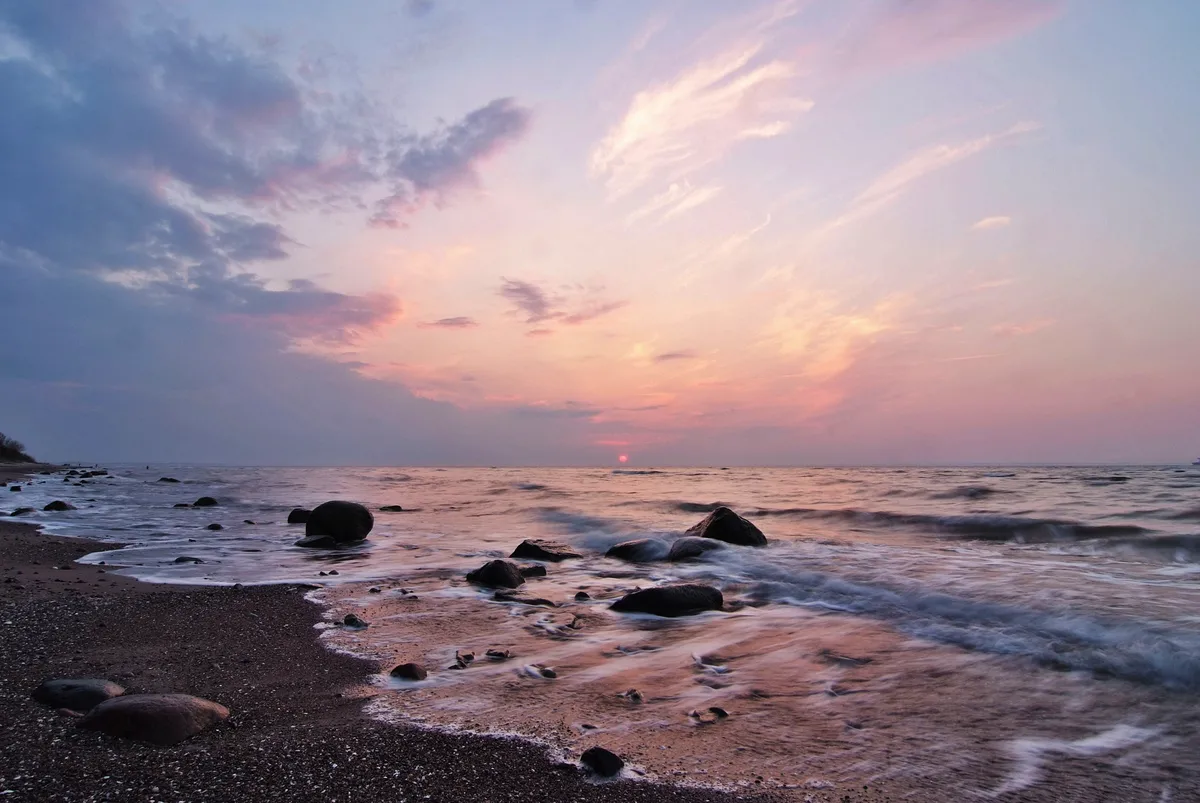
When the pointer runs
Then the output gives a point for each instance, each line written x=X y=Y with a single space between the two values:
x=392 y=509
x=547 y=672
x=352 y=620
x=582 y=596
x=187 y=559
x=205 y=501
x=604 y=763
x=410 y=671
x=59 y=506
x=375 y=590
x=214 y=526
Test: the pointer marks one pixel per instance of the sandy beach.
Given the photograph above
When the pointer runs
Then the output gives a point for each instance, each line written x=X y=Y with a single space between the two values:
x=297 y=731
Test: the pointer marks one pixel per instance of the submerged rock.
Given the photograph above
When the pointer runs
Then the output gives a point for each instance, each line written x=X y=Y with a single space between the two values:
x=725 y=525
x=59 y=506
x=533 y=570
x=14 y=487
x=497 y=574
x=392 y=509
x=604 y=763
x=167 y=479
x=684 y=599
x=355 y=621
x=299 y=515
x=22 y=511
x=410 y=672
x=214 y=526
x=317 y=542
x=76 y=694
x=182 y=504
x=537 y=549
x=639 y=550
x=205 y=501
x=692 y=547
x=163 y=719
x=343 y=521
x=187 y=559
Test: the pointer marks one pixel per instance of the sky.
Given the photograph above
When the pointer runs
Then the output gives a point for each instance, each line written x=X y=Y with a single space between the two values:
x=563 y=232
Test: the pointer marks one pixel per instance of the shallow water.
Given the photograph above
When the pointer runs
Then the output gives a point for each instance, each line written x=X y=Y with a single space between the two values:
x=982 y=629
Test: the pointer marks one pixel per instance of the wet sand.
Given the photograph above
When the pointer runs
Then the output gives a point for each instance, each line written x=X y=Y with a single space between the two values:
x=297 y=733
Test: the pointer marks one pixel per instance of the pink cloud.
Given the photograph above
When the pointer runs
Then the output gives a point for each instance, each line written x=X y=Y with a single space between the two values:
x=901 y=32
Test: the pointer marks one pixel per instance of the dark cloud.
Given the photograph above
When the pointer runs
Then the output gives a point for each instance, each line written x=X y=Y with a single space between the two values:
x=163 y=156
x=537 y=305
x=459 y=322
x=564 y=410
x=672 y=356
x=438 y=163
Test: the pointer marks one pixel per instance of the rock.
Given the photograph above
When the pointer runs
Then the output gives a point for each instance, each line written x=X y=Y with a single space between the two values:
x=343 y=521
x=58 y=506
x=582 y=596
x=247 y=521
x=167 y=479
x=533 y=570
x=639 y=550
x=80 y=694
x=498 y=655
x=604 y=763
x=497 y=574
x=410 y=672
x=392 y=509
x=214 y=526
x=205 y=501
x=692 y=547
x=547 y=672
x=187 y=559
x=317 y=542
x=537 y=549
x=725 y=525
x=513 y=596
x=375 y=590
x=22 y=511
x=14 y=487
x=353 y=620
x=299 y=516
x=162 y=719
x=182 y=504
x=684 y=599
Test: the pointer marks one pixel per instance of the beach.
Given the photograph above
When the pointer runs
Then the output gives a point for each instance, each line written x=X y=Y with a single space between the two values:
x=1000 y=696
x=297 y=731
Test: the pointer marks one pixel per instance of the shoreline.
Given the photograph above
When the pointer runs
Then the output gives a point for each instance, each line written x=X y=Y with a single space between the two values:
x=298 y=729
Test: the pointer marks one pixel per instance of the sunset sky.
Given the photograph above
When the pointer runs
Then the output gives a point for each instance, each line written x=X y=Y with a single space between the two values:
x=558 y=231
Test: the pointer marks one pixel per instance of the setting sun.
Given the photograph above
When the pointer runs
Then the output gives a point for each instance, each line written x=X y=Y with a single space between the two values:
x=624 y=458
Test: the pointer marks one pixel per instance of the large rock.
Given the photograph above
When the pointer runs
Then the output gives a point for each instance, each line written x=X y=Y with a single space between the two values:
x=692 y=547
x=167 y=479
x=639 y=550
x=299 y=515
x=497 y=574
x=163 y=719
x=76 y=694
x=59 y=506
x=343 y=521
x=392 y=509
x=604 y=763
x=725 y=525
x=22 y=511
x=536 y=549
x=684 y=599
x=205 y=501
x=410 y=672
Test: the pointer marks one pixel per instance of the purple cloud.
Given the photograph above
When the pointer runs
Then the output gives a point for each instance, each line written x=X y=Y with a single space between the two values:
x=459 y=322
x=538 y=306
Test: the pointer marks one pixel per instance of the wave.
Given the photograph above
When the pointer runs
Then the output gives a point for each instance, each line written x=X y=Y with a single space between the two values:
x=1186 y=515
x=1130 y=650
x=697 y=507
x=984 y=527
x=968 y=492
x=1170 y=548
x=637 y=471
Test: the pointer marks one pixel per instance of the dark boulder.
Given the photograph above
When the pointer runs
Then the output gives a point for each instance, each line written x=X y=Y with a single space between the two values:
x=182 y=504
x=497 y=574
x=59 y=506
x=23 y=511
x=354 y=621
x=317 y=542
x=692 y=547
x=343 y=521
x=725 y=525
x=187 y=559
x=684 y=599
x=14 y=487
x=299 y=516
x=214 y=526
x=537 y=549
x=392 y=509
x=205 y=501
x=533 y=570
x=162 y=719
x=604 y=763
x=167 y=479
x=582 y=596
x=80 y=694
x=410 y=672
x=639 y=550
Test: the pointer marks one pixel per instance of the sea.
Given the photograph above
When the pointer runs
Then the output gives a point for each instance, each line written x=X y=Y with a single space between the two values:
x=999 y=632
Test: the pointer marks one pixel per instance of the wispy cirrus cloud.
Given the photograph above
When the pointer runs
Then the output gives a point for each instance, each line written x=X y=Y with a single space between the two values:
x=989 y=223
x=899 y=32
x=894 y=183
x=672 y=129
x=675 y=356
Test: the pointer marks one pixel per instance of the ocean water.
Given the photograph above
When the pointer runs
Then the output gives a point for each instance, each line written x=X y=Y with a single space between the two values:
x=992 y=631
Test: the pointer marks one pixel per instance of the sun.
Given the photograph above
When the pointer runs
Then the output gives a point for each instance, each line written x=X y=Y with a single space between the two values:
x=624 y=458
